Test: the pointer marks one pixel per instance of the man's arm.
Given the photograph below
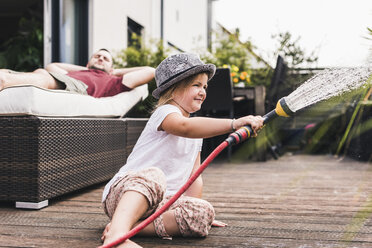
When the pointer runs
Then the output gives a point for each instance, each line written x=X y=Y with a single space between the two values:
x=133 y=78
x=122 y=71
x=64 y=68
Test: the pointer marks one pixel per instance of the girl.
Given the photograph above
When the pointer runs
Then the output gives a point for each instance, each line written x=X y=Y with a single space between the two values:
x=166 y=155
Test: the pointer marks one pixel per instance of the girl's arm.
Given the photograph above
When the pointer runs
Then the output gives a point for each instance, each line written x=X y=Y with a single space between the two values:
x=204 y=127
x=196 y=189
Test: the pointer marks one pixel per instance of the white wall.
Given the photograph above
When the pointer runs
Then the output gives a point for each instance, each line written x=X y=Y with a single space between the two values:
x=185 y=22
x=109 y=21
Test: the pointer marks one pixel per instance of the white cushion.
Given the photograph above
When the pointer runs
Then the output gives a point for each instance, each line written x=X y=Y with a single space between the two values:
x=31 y=100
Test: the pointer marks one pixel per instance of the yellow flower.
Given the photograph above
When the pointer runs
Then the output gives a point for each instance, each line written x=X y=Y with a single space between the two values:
x=237 y=76
x=235 y=68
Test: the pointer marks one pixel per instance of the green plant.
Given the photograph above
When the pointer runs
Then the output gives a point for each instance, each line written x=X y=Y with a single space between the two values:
x=292 y=52
x=24 y=51
x=296 y=58
x=229 y=51
x=140 y=54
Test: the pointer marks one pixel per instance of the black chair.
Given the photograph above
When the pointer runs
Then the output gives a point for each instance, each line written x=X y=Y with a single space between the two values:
x=219 y=101
x=275 y=91
x=218 y=104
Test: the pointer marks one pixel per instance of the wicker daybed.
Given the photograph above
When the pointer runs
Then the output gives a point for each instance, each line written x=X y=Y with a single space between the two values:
x=59 y=142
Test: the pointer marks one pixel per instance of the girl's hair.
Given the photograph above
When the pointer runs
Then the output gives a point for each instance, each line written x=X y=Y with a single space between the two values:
x=182 y=85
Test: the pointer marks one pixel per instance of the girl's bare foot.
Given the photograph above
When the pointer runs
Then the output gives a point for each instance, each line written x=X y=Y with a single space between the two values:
x=107 y=239
x=217 y=223
x=105 y=231
x=127 y=244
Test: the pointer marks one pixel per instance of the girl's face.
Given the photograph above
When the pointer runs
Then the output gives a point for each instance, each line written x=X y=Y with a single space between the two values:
x=191 y=98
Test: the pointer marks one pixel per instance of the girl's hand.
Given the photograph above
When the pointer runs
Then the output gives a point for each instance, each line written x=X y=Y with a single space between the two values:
x=256 y=122
x=105 y=231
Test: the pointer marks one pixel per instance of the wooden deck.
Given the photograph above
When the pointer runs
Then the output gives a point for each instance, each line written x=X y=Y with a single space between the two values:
x=296 y=201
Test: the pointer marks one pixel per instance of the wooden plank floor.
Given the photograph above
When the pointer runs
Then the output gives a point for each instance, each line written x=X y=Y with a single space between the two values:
x=296 y=201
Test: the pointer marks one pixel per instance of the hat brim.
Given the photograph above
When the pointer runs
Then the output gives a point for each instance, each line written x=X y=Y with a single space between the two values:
x=210 y=69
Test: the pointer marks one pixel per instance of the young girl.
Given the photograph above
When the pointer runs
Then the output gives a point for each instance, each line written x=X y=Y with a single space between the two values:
x=166 y=155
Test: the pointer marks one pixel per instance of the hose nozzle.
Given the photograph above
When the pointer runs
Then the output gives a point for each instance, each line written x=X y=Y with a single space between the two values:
x=282 y=108
x=245 y=132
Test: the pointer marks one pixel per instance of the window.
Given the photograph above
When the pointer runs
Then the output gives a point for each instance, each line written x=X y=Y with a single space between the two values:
x=70 y=31
x=134 y=33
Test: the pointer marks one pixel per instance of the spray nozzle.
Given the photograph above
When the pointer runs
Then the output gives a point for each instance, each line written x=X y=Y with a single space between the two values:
x=282 y=108
x=245 y=132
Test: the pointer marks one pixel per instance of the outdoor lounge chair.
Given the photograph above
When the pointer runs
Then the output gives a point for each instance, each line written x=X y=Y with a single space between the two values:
x=55 y=142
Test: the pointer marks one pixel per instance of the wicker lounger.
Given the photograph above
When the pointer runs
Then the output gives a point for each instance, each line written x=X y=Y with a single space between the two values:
x=42 y=157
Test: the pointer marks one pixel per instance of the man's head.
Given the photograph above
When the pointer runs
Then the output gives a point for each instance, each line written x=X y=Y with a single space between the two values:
x=101 y=60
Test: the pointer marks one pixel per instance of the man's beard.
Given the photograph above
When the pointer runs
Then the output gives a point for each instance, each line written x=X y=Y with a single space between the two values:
x=95 y=68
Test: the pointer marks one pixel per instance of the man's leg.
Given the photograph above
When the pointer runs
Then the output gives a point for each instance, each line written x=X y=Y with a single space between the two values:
x=39 y=77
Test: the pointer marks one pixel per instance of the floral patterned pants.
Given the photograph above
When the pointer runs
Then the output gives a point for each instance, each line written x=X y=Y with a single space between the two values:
x=194 y=216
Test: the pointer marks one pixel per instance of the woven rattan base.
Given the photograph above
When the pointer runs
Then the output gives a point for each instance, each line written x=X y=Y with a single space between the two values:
x=42 y=158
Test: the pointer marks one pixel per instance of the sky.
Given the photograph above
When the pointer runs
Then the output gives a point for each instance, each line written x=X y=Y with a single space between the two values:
x=334 y=29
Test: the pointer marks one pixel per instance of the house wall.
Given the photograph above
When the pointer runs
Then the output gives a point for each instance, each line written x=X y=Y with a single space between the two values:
x=108 y=21
x=185 y=22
